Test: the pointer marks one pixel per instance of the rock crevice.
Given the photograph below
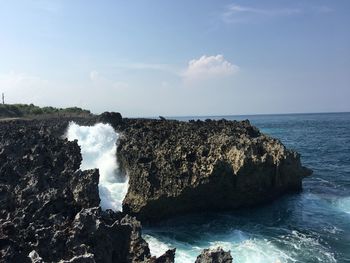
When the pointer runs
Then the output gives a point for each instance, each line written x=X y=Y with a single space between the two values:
x=49 y=209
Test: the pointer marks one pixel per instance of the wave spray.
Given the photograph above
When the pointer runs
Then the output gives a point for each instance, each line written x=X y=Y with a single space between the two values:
x=98 y=149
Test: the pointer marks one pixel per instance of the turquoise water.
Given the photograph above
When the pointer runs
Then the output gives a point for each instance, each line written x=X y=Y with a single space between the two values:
x=312 y=226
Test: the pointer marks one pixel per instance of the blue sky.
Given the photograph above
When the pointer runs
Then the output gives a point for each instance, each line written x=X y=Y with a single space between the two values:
x=150 y=58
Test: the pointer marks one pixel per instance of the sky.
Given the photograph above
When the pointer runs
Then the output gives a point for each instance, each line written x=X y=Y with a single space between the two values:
x=177 y=58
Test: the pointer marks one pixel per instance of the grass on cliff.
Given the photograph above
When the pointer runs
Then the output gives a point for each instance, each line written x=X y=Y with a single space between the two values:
x=27 y=110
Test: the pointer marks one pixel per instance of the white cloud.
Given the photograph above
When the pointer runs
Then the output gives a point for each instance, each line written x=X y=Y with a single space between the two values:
x=209 y=67
x=94 y=75
x=235 y=9
x=151 y=66
x=235 y=13
x=141 y=66
x=323 y=9
x=100 y=81
x=13 y=80
x=96 y=92
x=21 y=87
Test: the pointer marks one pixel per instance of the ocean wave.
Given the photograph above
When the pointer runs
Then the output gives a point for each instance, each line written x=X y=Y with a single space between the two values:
x=245 y=248
x=98 y=150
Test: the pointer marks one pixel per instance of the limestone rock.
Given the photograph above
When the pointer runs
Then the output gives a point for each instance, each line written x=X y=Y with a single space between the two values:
x=217 y=255
x=180 y=167
x=113 y=118
x=49 y=208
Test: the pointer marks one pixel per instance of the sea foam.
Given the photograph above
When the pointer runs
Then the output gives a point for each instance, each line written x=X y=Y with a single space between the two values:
x=250 y=250
x=246 y=248
x=343 y=204
x=98 y=150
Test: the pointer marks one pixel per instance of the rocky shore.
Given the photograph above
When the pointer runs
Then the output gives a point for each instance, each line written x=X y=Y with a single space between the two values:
x=184 y=167
x=49 y=209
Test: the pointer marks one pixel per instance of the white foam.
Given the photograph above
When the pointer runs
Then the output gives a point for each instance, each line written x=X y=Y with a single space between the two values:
x=184 y=254
x=242 y=250
x=308 y=246
x=254 y=250
x=98 y=149
x=156 y=247
x=344 y=204
x=246 y=248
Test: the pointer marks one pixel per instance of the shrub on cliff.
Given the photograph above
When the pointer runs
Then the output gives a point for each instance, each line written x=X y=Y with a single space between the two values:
x=22 y=110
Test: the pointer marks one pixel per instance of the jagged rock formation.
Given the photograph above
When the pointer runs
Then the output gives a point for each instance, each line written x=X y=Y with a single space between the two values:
x=115 y=119
x=179 y=167
x=167 y=257
x=49 y=208
x=217 y=255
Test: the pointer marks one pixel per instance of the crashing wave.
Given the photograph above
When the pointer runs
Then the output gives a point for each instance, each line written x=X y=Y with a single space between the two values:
x=98 y=150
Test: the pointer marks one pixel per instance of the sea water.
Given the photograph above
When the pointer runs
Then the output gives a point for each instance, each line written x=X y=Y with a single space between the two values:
x=311 y=226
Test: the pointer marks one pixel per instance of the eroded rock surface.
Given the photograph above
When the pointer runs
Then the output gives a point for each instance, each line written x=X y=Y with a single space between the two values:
x=49 y=208
x=115 y=119
x=181 y=167
x=217 y=255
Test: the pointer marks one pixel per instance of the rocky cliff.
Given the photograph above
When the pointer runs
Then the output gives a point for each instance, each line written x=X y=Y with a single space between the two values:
x=180 y=167
x=49 y=209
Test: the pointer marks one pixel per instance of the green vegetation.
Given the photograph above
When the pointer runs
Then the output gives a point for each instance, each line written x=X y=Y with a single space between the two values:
x=24 y=110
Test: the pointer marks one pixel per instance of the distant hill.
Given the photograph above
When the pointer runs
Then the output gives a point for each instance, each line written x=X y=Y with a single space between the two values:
x=28 y=110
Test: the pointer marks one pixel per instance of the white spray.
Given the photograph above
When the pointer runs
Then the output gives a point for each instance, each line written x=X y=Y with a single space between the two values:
x=98 y=149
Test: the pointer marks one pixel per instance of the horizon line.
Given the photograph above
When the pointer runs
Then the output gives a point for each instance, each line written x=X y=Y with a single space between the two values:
x=240 y=115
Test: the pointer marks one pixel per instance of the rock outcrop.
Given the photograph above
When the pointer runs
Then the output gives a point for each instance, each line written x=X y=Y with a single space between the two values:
x=217 y=255
x=181 y=167
x=113 y=118
x=49 y=209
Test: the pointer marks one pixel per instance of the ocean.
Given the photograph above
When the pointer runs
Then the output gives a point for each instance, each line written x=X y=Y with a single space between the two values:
x=311 y=226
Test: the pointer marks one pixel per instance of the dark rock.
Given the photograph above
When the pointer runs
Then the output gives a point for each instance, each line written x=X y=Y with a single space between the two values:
x=84 y=187
x=180 y=167
x=167 y=257
x=49 y=208
x=214 y=256
x=113 y=118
